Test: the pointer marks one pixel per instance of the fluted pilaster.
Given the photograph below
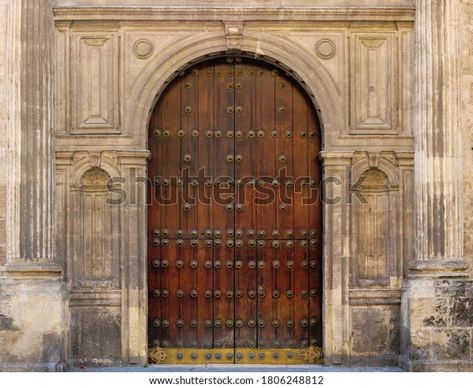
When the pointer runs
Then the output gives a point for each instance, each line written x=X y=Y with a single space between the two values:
x=30 y=187
x=438 y=162
x=13 y=60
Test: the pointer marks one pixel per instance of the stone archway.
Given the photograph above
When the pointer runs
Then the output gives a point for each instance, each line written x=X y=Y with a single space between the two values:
x=326 y=97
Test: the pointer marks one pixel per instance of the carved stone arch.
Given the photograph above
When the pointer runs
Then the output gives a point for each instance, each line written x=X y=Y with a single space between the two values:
x=87 y=162
x=373 y=179
x=94 y=178
x=364 y=162
x=302 y=65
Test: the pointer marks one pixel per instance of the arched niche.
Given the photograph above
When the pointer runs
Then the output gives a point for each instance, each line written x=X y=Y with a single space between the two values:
x=375 y=229
x=94 y=232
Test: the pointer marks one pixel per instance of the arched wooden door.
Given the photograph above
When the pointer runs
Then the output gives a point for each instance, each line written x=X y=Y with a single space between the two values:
x=235 y=218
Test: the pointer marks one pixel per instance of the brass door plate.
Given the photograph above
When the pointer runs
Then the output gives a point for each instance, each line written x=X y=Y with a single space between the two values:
x=310 y=355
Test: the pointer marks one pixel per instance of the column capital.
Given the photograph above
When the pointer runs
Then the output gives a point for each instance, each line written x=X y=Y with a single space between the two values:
x=336 y=158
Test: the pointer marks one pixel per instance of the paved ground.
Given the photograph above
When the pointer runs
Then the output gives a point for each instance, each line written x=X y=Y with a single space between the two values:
x=239 y=368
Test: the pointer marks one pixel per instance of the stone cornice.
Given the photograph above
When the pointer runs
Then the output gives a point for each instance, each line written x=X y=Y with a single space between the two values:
x=241 y=14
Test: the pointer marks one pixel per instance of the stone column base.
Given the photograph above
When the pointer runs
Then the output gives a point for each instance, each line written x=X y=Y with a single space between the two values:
x=32 y=322
x=437 y=324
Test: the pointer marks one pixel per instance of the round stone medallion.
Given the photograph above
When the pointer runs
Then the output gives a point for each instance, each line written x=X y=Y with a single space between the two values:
x=325 y=49
x=143 y=48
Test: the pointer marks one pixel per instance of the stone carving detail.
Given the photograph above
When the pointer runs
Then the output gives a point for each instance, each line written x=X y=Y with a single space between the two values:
x=95 y=178
x=325 y=49
x=233 y=33
x=94 y=73
x=374 y=179
x=373 y=72
x=143 y=48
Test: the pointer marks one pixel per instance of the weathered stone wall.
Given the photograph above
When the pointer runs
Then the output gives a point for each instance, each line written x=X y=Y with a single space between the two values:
x=440 y=321
x=32 y=323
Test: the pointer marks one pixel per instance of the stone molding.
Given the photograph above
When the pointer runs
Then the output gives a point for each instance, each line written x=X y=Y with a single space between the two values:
x=320 y=13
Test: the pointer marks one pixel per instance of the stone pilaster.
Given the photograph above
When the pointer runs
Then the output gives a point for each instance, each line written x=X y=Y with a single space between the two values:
x=438 y=145
x=30 y=137
x=336 y=255
x=434 y=334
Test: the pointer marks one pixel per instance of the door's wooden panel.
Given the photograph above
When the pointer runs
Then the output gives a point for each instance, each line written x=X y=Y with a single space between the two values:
x=266 y=304
x=246 y=302
x=265 y=121
x=171 y=304
x=299 y=293
x=204 y=281
x=169 y=161
x=224 y=204
x=284 y=154
x=315 y=295
x=245 y=216
x=224 y=151
x=300 y=160
x=205 y=144
x=284 y=270
x=235 y=143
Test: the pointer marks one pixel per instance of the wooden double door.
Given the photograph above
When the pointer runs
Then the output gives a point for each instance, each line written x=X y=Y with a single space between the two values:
x=234 y=218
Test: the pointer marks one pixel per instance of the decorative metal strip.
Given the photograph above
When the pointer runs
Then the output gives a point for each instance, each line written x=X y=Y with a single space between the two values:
x=310 y=355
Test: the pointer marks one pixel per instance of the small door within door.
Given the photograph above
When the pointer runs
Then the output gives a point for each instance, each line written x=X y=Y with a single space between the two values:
x=235 y=218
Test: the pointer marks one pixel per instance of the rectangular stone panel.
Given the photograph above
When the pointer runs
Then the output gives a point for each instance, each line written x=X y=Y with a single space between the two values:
x=374 y=71
x=94 y=107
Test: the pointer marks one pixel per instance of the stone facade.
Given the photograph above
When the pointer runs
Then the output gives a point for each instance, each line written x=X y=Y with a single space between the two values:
x=77 y=88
